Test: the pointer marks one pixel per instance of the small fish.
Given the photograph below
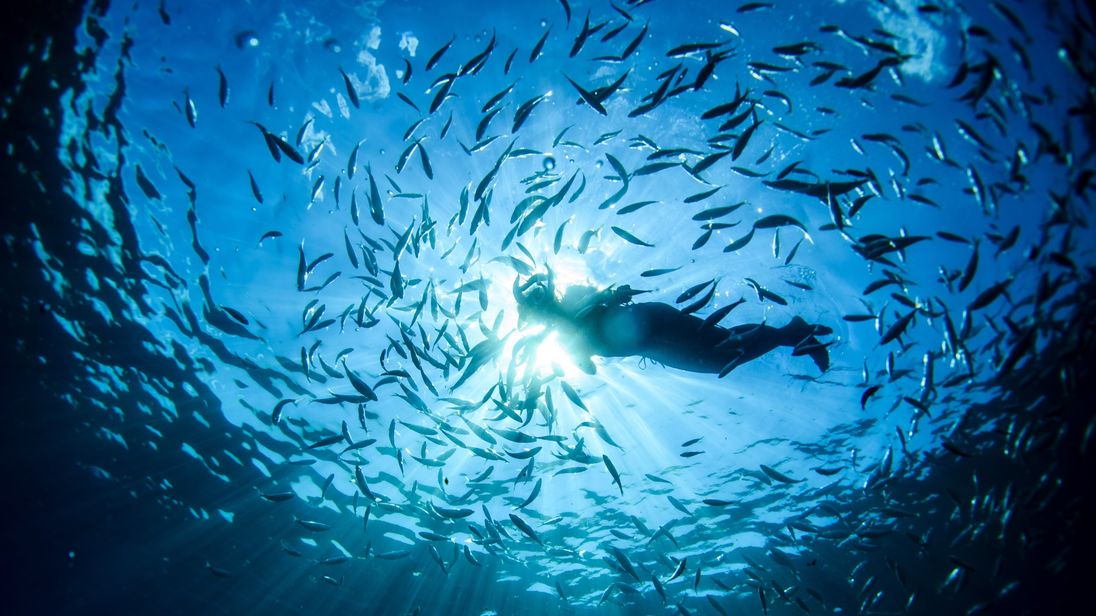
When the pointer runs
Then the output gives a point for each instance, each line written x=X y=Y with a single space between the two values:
x=255 y=188
x=279 y=408
x=403 y=97
x=702 y=196
x=680 y=506
x=360 y=478
x=625 y=563
x=361 y=386
x=717 y=212
x=324 y=442
x=765 y=294
x=867 y=395
x=628 y=237
x=777 y=475
x=679 y=570
x=740 y=242
x=740 y=145
x=535 y=53
x=524 y=527
x=969 y=270
x=658 y=272
x=532 y=496
x=436 y=56
x=526 y=108
x=898 y=327
x=778 y=220
x=590 y=99
x=316 y=527
x=277 y=497
x=222 y=87
x=189 y=109
x=573 y=396
x=613 y=471
x=719 y=314
x=351 y=92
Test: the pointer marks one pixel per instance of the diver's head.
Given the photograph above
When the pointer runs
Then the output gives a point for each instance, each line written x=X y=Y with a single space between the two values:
x=534 y=299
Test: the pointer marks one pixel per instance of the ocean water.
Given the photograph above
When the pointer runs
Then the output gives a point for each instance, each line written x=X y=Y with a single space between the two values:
x=266 y=356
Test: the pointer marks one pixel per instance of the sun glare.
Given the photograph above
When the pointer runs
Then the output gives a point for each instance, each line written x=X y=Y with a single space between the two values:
x=552 y=356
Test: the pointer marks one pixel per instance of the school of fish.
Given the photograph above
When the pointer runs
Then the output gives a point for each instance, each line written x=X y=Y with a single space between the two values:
x=405 y=377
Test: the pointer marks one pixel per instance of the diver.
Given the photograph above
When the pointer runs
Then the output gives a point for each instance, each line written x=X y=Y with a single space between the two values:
x=608 y=324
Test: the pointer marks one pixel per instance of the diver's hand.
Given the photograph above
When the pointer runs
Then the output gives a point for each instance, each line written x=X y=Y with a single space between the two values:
x=623 y=294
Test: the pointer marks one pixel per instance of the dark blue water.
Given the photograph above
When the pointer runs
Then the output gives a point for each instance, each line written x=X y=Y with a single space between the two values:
x=266 y=354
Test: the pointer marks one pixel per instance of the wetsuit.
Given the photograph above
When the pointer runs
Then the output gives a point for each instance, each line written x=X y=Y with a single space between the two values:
x=605 y=323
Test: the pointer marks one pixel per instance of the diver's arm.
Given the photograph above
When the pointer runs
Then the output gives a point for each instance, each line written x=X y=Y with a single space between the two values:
x=605 y=298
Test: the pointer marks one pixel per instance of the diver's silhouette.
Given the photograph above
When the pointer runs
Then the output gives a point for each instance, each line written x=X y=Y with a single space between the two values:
x=606 y=323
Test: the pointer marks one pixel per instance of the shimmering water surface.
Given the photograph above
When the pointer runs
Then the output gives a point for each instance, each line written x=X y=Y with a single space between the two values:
x=266 y=354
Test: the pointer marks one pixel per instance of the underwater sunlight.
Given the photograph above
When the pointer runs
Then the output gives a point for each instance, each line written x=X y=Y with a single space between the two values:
x=550 y=307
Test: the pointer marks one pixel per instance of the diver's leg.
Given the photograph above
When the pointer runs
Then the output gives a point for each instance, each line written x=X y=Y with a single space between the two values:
x=802 y=337
x=752 y=341
x=667 y=335
x=662 y=333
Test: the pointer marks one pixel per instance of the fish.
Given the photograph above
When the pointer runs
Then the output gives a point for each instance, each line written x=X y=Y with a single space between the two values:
x=633 y=207
x=587 y=96
x=898 y=327
x=740 y=242
x=624 y=562
x=970 y=269
x=277 y=497
x=324 y=442
x=778 y=476
x=222 y=88
x=573 y=396
x=628 y=237
x=701 y=196
x=532 y=496
x=867 y=395
x=613 y=471
x=679 y=570
x=719 y=314
x=633 y=45
x=765 y=294
x=744 y=140
x=314 y=526
x=437 y=55
x=539 y=45
x=523 y=111
x=679 y=505
x=190 y=110
x=359 y=385
x=351 y=91
x=407 y=100
x=774 y=221
x=524 y=527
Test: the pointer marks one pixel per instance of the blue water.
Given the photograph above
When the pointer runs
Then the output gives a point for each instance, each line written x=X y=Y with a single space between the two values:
x=205 y=326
